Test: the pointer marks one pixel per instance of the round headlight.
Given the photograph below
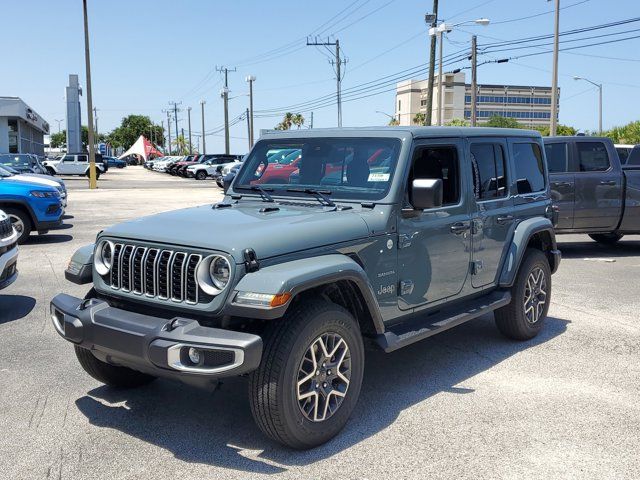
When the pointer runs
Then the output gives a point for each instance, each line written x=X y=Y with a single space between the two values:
x=213 y=274
x=219 y=269
x=103 y=258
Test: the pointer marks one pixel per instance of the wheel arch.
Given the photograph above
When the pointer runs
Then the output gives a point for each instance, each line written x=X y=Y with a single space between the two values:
x=535 y=233
x=24 y=206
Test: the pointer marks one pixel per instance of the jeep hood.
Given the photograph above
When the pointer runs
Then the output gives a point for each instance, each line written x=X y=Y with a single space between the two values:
x=232 y=229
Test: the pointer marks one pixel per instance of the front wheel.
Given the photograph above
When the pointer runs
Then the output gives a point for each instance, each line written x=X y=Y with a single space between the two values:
x=524 y=317
x=310 y=375
x=201 y=175
x=120 y=377
x=50 y=171
x=20 y=221
x=607 y=238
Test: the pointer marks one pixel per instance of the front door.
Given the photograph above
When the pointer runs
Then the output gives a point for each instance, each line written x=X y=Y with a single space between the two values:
x=562 y=179
x=66 y=166
x=493 y=221
x=434 y=246
x=598 y=201
x=82 y=162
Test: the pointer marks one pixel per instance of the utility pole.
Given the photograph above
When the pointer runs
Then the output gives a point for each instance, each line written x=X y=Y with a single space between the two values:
x=249 y=129
x=225 y=96
x=250 y=79
x=189 y=120
x=169 y=128
x=204 y=146
x=92 y=151
x=440 y=85
x=182 y=129
x=311 y=121
x=175 y=114
x=554 y=79
x=337 y=63
x=59 y=121
x=95 y=116
x=474 y=79
x=431 y=20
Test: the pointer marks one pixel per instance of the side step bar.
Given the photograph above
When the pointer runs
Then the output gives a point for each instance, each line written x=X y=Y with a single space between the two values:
x=427 y=325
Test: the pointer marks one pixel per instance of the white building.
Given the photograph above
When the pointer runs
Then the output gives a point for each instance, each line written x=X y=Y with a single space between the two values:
x=21 y=128
x=529 y=105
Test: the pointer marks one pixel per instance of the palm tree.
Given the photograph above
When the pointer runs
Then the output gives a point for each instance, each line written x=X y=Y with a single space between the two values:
x=181 y=145
x=393 y=122
x=298 y=120
x=419 y=118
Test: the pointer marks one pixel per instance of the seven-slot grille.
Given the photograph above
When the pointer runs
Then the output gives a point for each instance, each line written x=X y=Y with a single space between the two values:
x=6 y=229
x=155 y=272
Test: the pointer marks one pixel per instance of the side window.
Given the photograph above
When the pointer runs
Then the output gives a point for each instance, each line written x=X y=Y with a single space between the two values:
x=634 y=157
x=592 y=156
x=83 y=158
x=529 y=167
x=68 y=158
x=442 y=163
x=623 y=154
x=488 y=165
x=557 y=157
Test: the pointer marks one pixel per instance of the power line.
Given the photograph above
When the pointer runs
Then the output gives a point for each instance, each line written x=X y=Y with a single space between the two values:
x=537 y=14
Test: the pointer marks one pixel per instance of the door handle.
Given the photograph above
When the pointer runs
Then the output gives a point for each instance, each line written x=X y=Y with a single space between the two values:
x=611 y=183
x=561 y=184
x=505 y=219
x=460 y=227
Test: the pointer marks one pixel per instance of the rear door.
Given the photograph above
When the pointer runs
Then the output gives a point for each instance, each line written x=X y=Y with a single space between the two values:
x=598 y=187
x=562 y=179
x=493 y=219
x=81 y=164
x=66 y=165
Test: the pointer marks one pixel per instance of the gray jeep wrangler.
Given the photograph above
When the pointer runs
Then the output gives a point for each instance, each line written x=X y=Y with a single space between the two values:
x=384 y=236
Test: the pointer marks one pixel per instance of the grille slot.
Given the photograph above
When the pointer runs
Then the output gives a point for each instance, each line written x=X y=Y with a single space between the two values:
x=6 y=228
x=156 y=273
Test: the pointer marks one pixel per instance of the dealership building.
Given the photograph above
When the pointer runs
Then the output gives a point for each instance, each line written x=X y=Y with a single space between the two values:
x=529 y=105
x=22 y=130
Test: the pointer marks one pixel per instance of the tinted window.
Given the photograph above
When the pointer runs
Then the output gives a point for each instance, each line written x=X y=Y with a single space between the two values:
x=623 y=154
x=592 y=156
x=68 y=158
x=83 y=158
x=557 y=158
x=634 y=157
x=489 y=179
x=442 y=163
x=529 y=167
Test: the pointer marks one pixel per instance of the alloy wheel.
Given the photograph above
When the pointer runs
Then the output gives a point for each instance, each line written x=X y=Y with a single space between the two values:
x=17 y=223
x=535 y=295
x=323 y=377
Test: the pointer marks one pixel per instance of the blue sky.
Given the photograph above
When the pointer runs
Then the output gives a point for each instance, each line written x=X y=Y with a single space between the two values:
x=146 y=53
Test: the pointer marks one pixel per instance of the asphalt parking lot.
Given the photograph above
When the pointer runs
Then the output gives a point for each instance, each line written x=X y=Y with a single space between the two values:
x=464 y=404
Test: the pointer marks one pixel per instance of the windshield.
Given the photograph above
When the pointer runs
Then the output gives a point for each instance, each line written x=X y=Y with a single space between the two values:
x=348 y=168
x=5 y=173
x=16 y=160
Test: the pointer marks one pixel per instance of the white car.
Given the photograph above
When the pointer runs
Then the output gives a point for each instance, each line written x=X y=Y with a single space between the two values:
x=72 y=164
x=8 y=251
x=210 y=168
x=40 y=180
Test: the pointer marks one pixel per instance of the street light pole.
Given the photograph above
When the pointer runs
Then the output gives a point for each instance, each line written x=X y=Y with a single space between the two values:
x=554 y=79
x=204 y=145
x=599 y=85
x=474 y=79
x=87 y=59
x=189 y=124
x=440 y=90
x=431 y=20
x=251 y=79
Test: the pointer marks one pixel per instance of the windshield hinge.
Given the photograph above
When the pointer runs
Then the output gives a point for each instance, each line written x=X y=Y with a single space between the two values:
x=250 y=260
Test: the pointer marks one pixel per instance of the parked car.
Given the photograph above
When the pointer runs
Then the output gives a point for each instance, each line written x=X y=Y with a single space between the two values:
x=212 y=166
x=172 y=169
x=22 y=162
x=75 y=164
x=458 y=224
x=228 y=173
x=30 y=206
x=633 y=160
x=114 y=162
x=593 y=193
x=8 y=251
x=40 y=179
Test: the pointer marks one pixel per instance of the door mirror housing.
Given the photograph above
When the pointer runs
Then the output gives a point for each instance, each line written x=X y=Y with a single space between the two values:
x=426 y=193
x=226 y=181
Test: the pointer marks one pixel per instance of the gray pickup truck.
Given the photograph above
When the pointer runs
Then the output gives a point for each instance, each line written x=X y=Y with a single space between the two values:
x=593 y=192
x=380 y=235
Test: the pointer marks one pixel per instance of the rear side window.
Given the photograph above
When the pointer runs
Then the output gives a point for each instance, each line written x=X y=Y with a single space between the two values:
x=82 y=158
x=437 y=162
x=557 y=157
x=634 y=157
x=489 y=179
x=592 y=156
x=623 y=154
x=529 y=167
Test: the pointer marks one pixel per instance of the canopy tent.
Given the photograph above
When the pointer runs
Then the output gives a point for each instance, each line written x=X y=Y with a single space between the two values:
x=143 y=148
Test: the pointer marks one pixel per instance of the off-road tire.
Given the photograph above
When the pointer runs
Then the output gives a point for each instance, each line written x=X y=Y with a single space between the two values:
x=119 y=377
x=201 y=175
x=50 y=171
x=511 y=319
x=273 y=387
x=24 y=219
x=607 y=238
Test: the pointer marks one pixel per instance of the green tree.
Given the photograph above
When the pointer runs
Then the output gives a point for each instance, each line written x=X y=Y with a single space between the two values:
x=419 y=118
x=286 y=123
x=298 y=120
x=457 y=122
x=394 y=122
x=132 y=127
x=59 y=140
x=502 y=122
x=627 y=134
x=181 y=145
x=561 y=130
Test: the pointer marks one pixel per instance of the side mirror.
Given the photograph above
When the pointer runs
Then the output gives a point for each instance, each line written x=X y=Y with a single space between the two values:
x=227 y=180
x=426 y=193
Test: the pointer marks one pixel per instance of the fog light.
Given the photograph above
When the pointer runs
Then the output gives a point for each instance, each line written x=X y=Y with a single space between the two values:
x=194 y=355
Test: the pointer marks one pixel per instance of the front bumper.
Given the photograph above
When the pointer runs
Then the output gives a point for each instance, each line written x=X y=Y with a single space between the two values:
x=154 y=345
x=8 y=266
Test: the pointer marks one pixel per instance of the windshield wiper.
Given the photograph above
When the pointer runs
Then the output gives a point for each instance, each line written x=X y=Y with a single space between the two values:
x=257 y=188
x=321 y=195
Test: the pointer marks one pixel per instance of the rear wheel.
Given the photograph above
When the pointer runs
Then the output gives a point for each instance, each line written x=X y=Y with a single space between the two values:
x=607 y=238
x=524 y=317
x=201 y=175
x=310 y=375
x=20 y=221
x=120 y=377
